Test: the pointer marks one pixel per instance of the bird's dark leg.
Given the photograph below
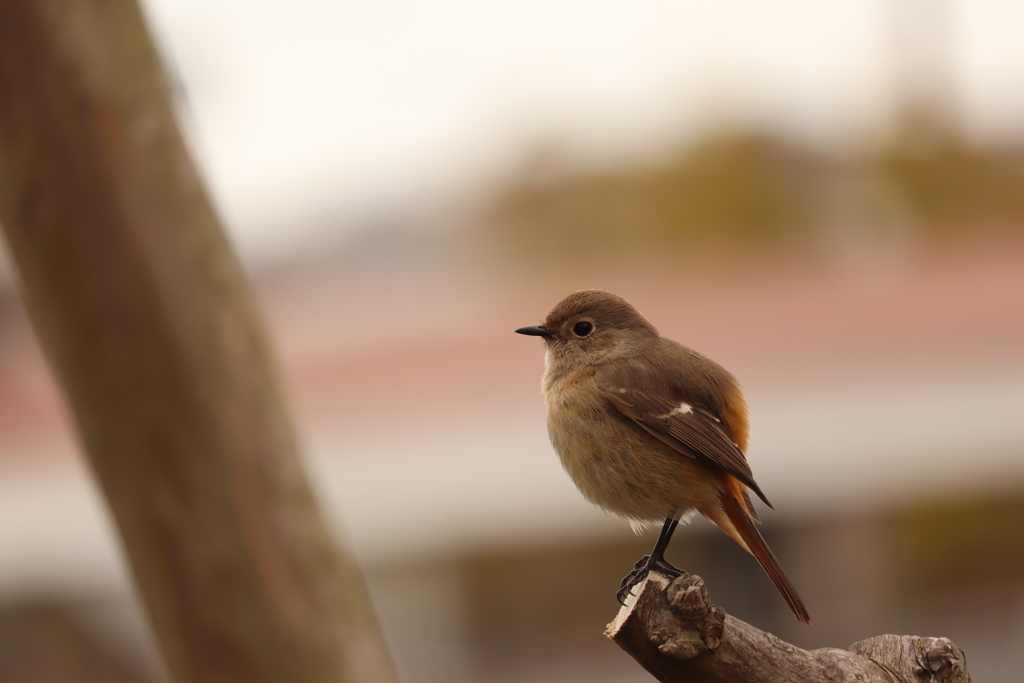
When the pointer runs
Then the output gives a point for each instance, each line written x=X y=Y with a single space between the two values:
x=656 y=560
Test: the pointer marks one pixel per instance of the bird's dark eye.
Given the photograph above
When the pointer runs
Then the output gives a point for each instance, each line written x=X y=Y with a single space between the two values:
x=582 y=329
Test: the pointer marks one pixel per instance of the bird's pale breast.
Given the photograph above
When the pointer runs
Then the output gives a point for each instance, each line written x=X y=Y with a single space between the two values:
x=614 y=462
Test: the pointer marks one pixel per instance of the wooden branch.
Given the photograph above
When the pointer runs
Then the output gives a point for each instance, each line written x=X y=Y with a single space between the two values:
x=673 y=630
x=148 y=322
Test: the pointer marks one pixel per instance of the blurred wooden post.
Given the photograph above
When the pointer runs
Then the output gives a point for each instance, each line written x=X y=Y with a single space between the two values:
x=149 y=324
x=672 y=629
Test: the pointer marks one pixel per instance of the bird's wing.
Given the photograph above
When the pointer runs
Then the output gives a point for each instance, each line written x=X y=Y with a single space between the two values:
x=663 y=410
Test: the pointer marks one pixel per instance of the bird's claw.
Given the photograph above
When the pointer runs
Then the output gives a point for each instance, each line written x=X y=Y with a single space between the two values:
x=640 y=571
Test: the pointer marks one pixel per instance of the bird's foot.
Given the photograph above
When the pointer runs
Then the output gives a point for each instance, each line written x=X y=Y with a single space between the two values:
x=641 y=569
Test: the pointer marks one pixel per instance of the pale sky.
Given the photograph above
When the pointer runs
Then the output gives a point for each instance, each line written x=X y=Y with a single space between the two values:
x=311 y=108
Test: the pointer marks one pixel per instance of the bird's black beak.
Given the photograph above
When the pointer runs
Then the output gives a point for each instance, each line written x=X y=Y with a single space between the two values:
x=536 y=331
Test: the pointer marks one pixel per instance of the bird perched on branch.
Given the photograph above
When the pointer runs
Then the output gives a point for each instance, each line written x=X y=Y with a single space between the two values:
x=649 y=429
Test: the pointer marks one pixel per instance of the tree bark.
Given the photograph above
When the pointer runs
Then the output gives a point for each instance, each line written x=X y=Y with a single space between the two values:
x=674 y=631
x=148 y=322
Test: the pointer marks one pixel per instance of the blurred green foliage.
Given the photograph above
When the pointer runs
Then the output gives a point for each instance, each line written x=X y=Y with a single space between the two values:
x=948 y=544
x=751 y=188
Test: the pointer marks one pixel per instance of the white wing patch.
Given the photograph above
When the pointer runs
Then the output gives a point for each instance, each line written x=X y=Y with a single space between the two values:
x=682 y=409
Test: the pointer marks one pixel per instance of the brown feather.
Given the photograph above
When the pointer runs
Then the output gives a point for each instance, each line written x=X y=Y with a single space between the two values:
x=698 y=433
x=734 y=416
x=742 y=523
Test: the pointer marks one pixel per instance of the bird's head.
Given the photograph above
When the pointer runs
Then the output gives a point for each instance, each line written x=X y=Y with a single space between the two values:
x=591 y=327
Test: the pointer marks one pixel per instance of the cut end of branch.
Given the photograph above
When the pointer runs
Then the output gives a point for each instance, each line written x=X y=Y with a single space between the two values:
x=631 y=601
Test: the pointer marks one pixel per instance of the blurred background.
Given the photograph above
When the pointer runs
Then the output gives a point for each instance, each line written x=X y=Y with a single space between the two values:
x=825 y=197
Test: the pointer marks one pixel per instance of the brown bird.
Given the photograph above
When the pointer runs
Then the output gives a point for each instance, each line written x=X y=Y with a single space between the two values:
x=649 y=429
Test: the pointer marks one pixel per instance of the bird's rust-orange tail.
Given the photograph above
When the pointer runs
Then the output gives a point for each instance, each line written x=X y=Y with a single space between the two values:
x=743 y=525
